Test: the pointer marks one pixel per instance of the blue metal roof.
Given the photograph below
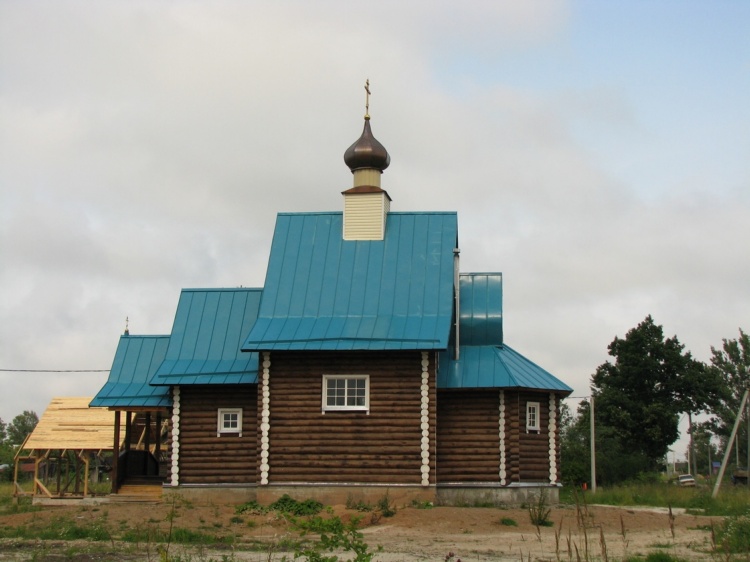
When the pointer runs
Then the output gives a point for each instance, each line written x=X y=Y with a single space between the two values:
x=326 y=293
x=488 y=366
x=204 y=347
x=481 y=308
x=136 y=361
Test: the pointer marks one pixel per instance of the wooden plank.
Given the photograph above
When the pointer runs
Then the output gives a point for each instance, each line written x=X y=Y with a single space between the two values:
x=69 y=423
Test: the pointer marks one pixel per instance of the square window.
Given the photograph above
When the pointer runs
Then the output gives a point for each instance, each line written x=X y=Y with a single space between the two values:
x=346 y=392
x=532 y=416
x=230 y=421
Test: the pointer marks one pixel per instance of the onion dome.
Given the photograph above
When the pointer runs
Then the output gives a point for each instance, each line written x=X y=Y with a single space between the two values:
x=367 y=152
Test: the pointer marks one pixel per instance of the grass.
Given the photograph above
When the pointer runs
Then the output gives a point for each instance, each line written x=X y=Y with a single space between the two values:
x=732 y=500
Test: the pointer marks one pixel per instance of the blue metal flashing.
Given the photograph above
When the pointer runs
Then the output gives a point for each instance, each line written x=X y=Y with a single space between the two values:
x=326 y=293
x=204 y=347
x=481 y=308
x=488 y=366
x=136 y=361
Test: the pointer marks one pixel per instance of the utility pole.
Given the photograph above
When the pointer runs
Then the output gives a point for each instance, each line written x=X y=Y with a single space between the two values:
x=593 y=447
x=694 y=461
x=730 y=441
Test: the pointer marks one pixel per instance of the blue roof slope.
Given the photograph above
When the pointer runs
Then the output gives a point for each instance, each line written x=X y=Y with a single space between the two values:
x=481 y=308
x=494 y=367
x=204 y=347
x=326 y=293
x=135 y=363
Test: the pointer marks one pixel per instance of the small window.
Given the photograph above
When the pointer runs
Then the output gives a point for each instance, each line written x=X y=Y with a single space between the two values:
x=532 y=416
x=230 y=421
x=346 y=392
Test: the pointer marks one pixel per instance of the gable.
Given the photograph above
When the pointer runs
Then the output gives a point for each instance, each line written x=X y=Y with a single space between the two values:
x=326 y=293
x=135 y=362
x=204 y=347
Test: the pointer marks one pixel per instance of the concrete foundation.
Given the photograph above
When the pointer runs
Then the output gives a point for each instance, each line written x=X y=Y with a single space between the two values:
x=205 y=495
x=343 y=494
x=398 y=495
x=498 y=496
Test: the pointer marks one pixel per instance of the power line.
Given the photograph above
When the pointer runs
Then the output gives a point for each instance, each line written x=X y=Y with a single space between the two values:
x=54 y=370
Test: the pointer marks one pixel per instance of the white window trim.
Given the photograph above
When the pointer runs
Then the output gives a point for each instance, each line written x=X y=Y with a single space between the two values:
x=324 y=400
x=536 y=426
x=220 y=429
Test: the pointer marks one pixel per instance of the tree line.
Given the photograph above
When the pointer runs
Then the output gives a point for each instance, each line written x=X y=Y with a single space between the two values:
x=12 y=435
x=639 y=397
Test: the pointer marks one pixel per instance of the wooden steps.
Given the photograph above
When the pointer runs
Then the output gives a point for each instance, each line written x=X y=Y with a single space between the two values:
x=138 y=493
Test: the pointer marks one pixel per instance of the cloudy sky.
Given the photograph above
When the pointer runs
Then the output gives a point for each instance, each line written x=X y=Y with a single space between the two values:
x=598 y=154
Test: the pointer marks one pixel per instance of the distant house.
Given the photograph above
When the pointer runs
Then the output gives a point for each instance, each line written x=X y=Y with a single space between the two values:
x=367 y=363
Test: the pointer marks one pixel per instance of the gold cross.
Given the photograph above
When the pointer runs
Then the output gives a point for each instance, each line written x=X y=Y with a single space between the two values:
x=367 y=99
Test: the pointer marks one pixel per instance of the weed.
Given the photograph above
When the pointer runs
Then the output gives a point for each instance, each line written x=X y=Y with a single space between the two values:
x=334 y=535
x=359 y=505
x=251 y=507
x=287 y=504
x=385 y=507
x=539 y=511
x=508 y=522
x=734 y=535
x=422 y=504
x=188 y=536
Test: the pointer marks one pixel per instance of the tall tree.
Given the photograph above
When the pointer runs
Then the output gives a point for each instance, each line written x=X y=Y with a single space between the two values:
x=575 y=444
x=21 y=426
x=2 y=431
x=731 y=364
x=640 y=396
x=614 y=463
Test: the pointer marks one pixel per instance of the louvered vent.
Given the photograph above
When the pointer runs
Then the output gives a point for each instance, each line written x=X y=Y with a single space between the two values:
x=365 y=215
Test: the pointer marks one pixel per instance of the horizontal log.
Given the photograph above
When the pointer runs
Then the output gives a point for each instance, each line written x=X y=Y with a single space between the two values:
x=310 y=462
x=236 y=468
x=471 y=457
x=218 y=479
x=210 y=439
x=467 y=477
x=344 y=442
x=325 y=475
x=201 y=452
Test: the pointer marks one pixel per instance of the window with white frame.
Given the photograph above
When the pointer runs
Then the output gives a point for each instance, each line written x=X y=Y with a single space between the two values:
x=230 y=421
x=346 y=392
x=532 y=416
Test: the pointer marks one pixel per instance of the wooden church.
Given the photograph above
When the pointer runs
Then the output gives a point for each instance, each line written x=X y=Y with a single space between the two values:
x=366 y=364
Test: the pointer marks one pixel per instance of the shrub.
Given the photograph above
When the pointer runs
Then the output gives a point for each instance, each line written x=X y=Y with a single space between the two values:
x=287 y=504
x=334 y=535
x=734 y=535
x=385 y=507
x=539 y=512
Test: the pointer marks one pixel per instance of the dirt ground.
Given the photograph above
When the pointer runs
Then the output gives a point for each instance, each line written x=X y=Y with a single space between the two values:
x=412 y=534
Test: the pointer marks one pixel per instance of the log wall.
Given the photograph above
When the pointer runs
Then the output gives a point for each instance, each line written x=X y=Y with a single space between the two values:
x=382 y=446
x=204 y=457
x=529 y=451
x=468 y=445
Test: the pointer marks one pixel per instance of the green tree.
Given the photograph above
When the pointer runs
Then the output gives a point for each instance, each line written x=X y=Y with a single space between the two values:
x=704 y=450
x=21 y=426
x=731 y=365
x=640 y=397
x=614 y=463
x=575 y=445
x=2 y=431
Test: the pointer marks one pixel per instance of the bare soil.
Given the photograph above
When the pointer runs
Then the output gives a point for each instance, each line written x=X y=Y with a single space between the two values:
x=412 y=534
